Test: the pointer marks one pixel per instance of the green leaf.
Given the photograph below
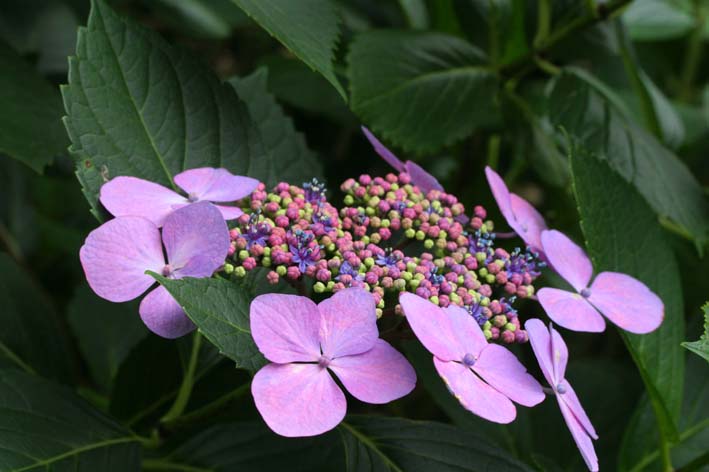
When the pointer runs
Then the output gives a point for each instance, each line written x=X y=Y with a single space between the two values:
x=30 y=123
x=310 y=29
x=701 y=347
x=623 y=235
x=251 y=446
x=106 y=332
x=47 y=427
x=220 y=309
x=31 y=335
x=657 y=20
x=416 y=13
x=599 y=128
x=213 y=19
x=287 y=157
x=137 y=106
x=421 y=91
x=398 y=445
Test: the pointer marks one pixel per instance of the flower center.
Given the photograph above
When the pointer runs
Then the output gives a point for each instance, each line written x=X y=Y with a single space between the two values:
x=560 y=389
x=585 y=293
x=167 y=270
x=192 y=197
x=324 y=361
x=469 y=359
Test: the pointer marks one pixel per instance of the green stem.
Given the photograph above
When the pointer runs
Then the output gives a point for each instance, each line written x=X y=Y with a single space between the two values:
x=543 y=22
x=493 y=151
x=693 y=56
x=208 y=409
x=183 y=395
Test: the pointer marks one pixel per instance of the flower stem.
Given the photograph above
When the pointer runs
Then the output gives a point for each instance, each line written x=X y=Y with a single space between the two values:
x=183 y=395
x=207 y=410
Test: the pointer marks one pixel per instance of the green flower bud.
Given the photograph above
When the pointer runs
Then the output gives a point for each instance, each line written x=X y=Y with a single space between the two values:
x=228 y=268
x=266 y=262
x=510 y=327
x=420 y=235
x=239 y=271
x=410 y=233
x=428 y=244
x=243 y=254
x=487 y=333
x=319 y=287
x=281 y=270
x=434 y=299
x=349 y=200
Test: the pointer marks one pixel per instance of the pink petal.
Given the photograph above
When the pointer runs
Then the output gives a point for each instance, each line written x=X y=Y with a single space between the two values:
x=298 y=399
x=215 y=185
x=422 y=179
x=567 y=259
x=382 y=150
x=285 y=327
x=540 y=339
x=572 y=401
x=570 y=310
x=501 y=369
x=379 y=375
x=582 y=439
x=448 y=334
x=131 y=196
x=627 y=302
x=163 y=315
x=501 y=194
x=474 y=394
x=559 y=354
x=230 y=212
x=116 y=255
x=196 y=240
x=348 y=323
x=529 y=223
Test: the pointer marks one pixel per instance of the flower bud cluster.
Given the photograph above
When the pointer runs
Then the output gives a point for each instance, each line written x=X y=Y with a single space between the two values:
x=389 y=237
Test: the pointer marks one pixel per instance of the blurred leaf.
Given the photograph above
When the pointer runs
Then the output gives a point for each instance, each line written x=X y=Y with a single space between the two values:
x=416 y=13
x=30 y=126
x=397 y=444
x=47 y=427
x=251 y=447
x=623 y=235
x=213 y=19
x=31 y=335
x=671 y=125
x=106 y=332
x=220 y=309
x=658 y=20
x=597 y=127
x=287 y=156
x=638 y=449
x=701 y=347
x=137 y=106
x=421 y=91
x=310 y=29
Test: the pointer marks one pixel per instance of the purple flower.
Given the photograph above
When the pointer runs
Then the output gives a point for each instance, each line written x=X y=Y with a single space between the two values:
x=476 y=311
x=296 y=395
x=304 y=249
x=526 y=262
x=484 y=377
x=131 y=196
x=522 y=217
x=116 y=255
x=314 y=192
x=388 y=259
x=347 y=269
x=255 y=232
x=552 y=354
x=419 y=177
x=625 y=301
x=324 y=220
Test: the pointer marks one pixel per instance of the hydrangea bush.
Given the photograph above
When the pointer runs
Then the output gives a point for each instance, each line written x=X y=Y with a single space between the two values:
x=245 y=304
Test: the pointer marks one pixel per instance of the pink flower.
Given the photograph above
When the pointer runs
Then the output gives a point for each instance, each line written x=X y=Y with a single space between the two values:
x=296 y=395
x=522 y=217
x=116 y=255
x=624 y=300
x=552 y=354
x=131 y=196
x=419 y=177
x=485 y=378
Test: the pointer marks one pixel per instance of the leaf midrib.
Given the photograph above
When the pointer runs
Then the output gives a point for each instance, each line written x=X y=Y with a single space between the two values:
x=77 y=451
x=371 y=445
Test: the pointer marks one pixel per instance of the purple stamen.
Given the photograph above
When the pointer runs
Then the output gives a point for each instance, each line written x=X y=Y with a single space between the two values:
x=192 y=198
x=469 y=360
x=324 y=362
x=585 y=293
x=560 y=389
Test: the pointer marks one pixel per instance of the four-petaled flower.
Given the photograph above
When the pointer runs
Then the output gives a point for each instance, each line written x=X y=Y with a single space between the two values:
x=522 y=217
x=485 y=378
x=116 y=255
x=552 y=354
x=296 y=395
x=131 y=196
x=419 y=177
x=622 y=299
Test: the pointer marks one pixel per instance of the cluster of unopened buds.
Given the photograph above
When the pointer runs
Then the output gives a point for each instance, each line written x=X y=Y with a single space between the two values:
x=398 y=245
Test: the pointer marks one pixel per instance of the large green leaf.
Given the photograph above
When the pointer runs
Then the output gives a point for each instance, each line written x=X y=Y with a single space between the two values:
x=252 y=447
x=287 y=156
x=309 y=28
x=623 y=235
x=30 y=123
x=31 y=335
x=599 y=128
x=47 y=427
x=138 y=106
x=220 y=309
x=701 y=347
x=106 y=332
x=657 y=20
x=421 y=91
x=398 y=445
